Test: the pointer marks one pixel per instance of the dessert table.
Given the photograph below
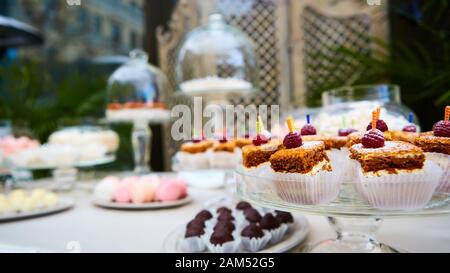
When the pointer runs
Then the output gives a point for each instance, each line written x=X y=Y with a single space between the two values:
x=88 y=228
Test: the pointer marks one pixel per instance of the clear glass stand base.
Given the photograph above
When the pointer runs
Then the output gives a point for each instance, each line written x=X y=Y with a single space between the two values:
x=354 y=235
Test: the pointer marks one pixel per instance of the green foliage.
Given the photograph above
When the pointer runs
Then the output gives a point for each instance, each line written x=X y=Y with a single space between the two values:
x=417 y=58
x=32 y=96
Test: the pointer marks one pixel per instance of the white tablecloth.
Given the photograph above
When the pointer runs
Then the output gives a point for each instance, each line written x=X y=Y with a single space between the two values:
x=95 y=229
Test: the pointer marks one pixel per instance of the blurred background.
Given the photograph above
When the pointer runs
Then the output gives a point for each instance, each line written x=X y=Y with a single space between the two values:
x=304 y=48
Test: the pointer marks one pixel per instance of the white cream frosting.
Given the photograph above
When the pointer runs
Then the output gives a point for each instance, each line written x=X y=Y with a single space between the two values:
x=215 y=84
x=319 y=167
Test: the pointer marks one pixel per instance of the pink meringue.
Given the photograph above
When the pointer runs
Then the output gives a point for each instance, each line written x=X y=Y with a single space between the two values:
x=168 y=191
x=149 y=189
x=138 y=193
x=152 y=179
x=183 y=187
x=122 y=194
x=10 y=145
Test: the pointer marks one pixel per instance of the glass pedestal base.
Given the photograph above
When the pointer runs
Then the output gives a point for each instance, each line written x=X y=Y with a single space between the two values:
x=353 y=218
x=354 y=235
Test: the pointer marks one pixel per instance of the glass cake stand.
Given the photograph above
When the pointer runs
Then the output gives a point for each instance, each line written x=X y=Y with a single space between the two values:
x=141 y=137
x=354 y=221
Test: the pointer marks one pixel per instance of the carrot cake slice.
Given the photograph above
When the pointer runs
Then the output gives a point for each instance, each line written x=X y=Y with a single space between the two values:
x=331 y=142
x=254 y=155
x=243 y=141
x=392 y=157
x=196 y=146
x=310 y=157
x=224 y=146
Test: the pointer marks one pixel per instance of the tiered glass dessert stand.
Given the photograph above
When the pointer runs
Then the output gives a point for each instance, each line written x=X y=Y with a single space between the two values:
x=354 y=221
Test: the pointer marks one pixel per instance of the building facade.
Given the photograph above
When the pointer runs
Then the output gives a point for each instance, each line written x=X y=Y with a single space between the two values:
x=76 y=29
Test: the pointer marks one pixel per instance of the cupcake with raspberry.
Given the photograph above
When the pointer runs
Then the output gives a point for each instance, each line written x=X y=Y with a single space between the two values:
x=255 y=157
x=193 y=155
x=356 y=137
x=393 y=174
x=301 y=171
x=336 y=149
x=436 y=145
x=224 y=154
x=243 y=140
x=409 y=133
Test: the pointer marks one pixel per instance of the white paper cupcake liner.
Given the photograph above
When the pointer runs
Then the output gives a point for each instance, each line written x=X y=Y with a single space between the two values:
x=278 y=234
x=229 y=247
x=223 y=160
x=400 y=191
x=188 y=161
x=303 y=189
x=193 y=244
x=253 y=176
x=443 y=161
x=256 y=244
x=338 y=159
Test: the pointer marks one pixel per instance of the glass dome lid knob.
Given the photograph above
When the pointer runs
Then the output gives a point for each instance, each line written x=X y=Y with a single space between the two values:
x=139 y=55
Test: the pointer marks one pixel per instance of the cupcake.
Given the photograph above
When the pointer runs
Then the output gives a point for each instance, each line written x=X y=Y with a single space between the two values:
x=193 y=155
x=308 y=129
x=252 y=215
x=302 y=173
x=222 y=210
x=204 y=215
x=224 y=154
x=193 y=237
x=336 y=152
x=243 y=205
x=254 y=156
x=356 y=137
x=225 y=217
x=254 y=238
x=284 y=217
x=224 y=225
x=436 y=145
x=408 y=133
x=272 y=225
x=243 y=141
x=393 y=174
x=223 y=241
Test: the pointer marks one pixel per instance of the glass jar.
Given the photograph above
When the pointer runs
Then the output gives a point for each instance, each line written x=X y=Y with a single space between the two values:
x=216 y=60
x=135 y=90
x=352 y=106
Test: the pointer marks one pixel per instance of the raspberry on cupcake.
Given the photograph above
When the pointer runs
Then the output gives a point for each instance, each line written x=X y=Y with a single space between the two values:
x=409 y=132
x=193 y=155
x=301 y=169
x=308 y=129
x=392 y=174
x=243 y=141
x=436 y=145
x=224 y=154
x=260 y=150
x=299 y=157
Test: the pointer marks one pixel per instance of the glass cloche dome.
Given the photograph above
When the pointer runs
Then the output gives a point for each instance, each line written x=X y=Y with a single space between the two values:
x=135 y=89
x=216 y=60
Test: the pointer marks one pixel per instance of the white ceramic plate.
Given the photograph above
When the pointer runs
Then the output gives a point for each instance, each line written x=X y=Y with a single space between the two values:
x=145 y=206
x=293 y=238
x=63 y=205
x=80 y=164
